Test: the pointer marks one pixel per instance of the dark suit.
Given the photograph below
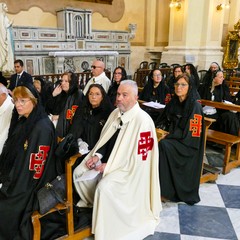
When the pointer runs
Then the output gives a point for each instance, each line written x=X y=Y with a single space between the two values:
x=25 y=78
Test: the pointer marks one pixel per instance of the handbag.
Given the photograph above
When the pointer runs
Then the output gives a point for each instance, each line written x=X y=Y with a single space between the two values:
x=67 y=147
x=52 y=194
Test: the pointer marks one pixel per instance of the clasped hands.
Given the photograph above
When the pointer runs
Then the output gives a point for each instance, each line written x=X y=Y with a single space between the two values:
x=95 y=163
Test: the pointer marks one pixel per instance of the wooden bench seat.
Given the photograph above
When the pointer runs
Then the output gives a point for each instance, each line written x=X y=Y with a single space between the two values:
x=230 y=160
x=68 y=207
x=233 y=84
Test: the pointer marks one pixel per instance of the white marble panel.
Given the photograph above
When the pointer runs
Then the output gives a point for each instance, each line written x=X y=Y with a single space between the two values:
x=234 y=215
x=210 y=195
x=169 y=219
x=232 y=178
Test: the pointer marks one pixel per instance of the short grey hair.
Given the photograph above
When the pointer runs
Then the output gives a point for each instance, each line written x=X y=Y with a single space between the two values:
x=132 y=84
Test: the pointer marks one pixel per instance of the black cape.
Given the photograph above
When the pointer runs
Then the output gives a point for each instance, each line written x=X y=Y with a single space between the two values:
x=181 y=152
x=32 y=167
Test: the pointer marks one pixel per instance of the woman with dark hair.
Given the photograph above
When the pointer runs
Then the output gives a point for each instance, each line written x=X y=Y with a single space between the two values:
x=26 y=164
x=192 y=72
x=90 y=118
x=177 y=70
x=218 y=91
x=181 y=151
x=64 y=101
x=155 y=90
x=119 y=74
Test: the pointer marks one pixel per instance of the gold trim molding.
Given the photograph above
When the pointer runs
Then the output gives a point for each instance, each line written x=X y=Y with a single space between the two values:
x=230 y=58
x=112 y=9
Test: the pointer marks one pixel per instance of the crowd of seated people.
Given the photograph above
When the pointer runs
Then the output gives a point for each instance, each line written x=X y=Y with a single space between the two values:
x=106 y=113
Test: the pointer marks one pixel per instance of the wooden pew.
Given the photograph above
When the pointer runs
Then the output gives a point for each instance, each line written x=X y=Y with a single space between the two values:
x=67 y=207
x=233 y=84
x=230 y=160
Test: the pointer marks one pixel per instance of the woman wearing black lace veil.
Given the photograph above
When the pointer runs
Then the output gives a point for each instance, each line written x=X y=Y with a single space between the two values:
x=181 y=151
x=64 y=101
x=26 y=163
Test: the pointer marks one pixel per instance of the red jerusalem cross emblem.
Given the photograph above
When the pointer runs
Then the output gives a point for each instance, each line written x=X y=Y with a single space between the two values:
x=145 y=144
x=70 y=112
x=196 y=125
x=37 y=161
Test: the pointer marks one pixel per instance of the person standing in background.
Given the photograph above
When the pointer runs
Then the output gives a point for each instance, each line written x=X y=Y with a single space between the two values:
x=20 y=77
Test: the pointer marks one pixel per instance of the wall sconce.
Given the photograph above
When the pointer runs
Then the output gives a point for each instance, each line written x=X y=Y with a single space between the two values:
x=132 y=28
x=176 y=3
x=221 y=6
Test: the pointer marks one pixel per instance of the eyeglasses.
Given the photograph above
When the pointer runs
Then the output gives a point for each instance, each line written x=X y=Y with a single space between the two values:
x=94 y=67
x=22 y=102
x=117 y=73
x=157 y=75
x=178 y=71
x=181 y=85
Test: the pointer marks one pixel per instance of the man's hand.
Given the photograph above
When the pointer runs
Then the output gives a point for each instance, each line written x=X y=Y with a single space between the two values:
x=100 y=167
x=91 y=162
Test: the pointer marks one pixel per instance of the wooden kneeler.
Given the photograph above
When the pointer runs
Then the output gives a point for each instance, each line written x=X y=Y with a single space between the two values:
x=68 y=207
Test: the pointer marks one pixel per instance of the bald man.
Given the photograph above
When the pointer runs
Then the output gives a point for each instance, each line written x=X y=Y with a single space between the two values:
x=99 y=76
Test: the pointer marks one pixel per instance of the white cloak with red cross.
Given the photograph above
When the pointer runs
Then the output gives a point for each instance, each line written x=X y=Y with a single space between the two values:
x=126 y=201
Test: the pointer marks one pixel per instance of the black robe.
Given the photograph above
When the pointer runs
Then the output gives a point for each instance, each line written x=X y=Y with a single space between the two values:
x=32 y=166
x=64 y=105
x=181 y=152
x=227 y=121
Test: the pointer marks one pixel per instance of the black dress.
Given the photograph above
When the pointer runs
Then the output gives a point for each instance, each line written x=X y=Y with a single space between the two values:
x=65 y=105
x=181 y=152
x=27 y=163
x=160 y=94
x=227 y=121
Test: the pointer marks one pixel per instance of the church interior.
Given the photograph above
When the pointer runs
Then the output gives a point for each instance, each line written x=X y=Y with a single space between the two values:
x=55 y=36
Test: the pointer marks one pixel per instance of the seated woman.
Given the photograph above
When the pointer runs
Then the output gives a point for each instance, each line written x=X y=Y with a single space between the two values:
x=194 y=78
x=177 y=70
x=218 y=91
x=26 y=163
x=119 y=74
x=65 y=99
x=181 y=151
x=156 y=91
x=90 y=118
x=207 y=79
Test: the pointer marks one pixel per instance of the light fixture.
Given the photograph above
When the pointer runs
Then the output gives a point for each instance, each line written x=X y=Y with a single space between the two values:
x=221 y=6
x=176 y=3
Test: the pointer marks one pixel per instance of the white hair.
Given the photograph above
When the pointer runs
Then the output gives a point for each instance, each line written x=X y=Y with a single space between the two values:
x=132 y=84
x=3 y=89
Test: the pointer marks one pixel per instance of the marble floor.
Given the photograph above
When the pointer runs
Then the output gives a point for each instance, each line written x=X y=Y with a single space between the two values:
x=216 y=216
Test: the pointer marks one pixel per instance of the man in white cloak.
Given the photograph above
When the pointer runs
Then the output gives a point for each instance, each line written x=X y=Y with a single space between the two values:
x=6 y=108
x=125 y=196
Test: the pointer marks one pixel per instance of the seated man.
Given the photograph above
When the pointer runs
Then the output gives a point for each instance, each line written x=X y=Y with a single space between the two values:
x=126 y=195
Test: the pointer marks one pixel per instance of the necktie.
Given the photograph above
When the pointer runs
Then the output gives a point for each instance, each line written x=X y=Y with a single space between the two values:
x=18 y=76
x=93 y=80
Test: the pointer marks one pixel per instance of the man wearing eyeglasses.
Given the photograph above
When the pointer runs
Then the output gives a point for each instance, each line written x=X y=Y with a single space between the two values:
x=98 y=76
